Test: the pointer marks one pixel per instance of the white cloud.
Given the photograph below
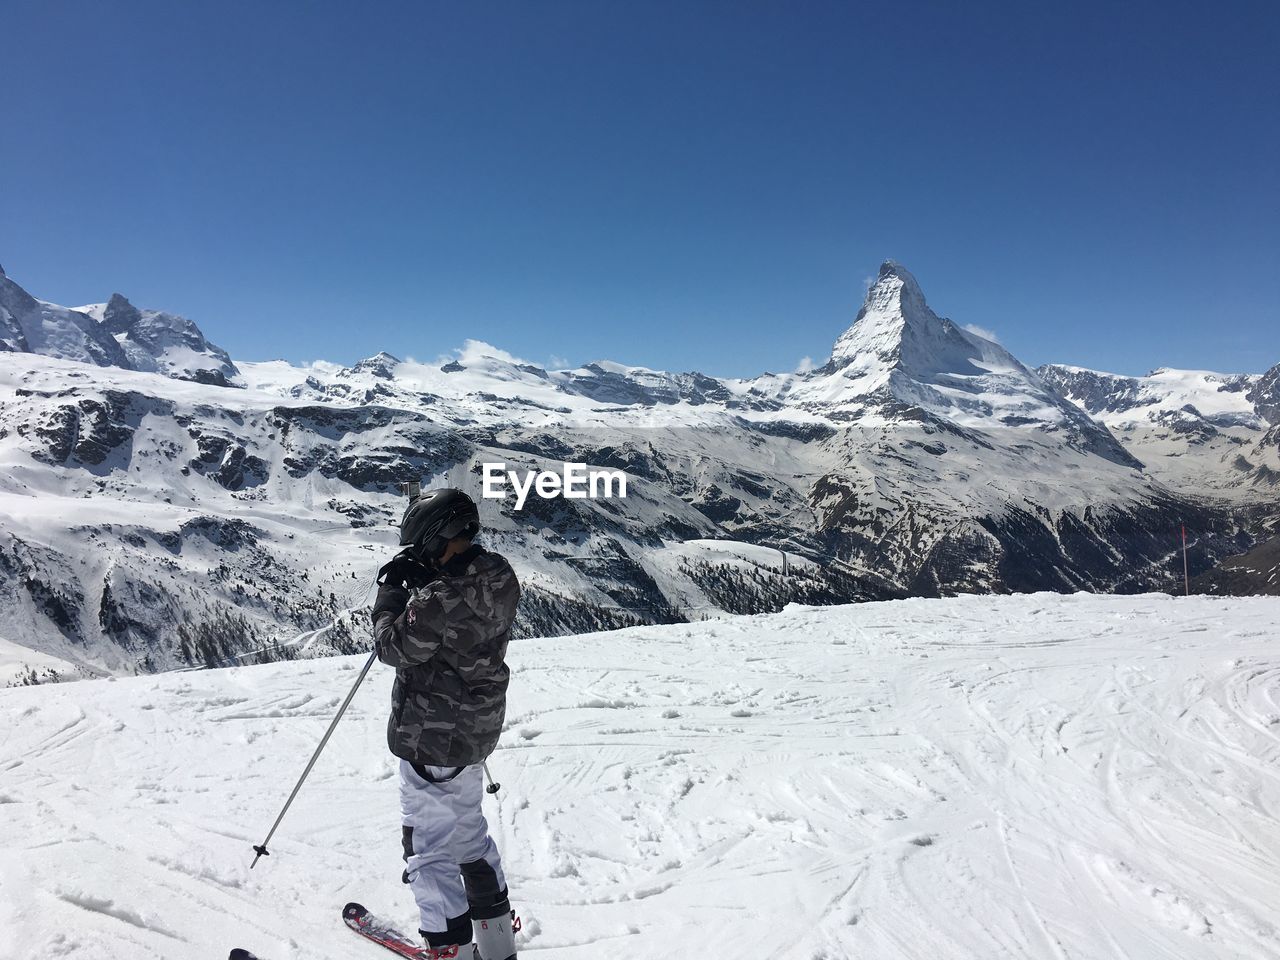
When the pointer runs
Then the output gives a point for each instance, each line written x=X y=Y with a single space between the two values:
x=555 y=362
x=476 y=350
x=982 y=332
x=805 y=365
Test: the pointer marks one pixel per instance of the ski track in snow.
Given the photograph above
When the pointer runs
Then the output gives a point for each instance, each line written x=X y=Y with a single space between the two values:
x=1014 y=777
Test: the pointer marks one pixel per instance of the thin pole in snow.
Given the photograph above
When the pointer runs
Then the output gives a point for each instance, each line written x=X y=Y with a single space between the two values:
x=1186 y=576
x=493 y=787
x=261 y=849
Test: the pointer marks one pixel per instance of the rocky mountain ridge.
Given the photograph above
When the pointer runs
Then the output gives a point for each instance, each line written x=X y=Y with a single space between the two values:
x=111 y=334
x=1195 y=430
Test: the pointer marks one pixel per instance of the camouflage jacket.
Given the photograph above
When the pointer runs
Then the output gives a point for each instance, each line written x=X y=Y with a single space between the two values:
x=449 y=647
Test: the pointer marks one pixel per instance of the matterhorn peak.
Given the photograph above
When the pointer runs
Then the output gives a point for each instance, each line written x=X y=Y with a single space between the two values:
x=893 y=312
x=892 y=270
x=896 y=333
x=896 y=293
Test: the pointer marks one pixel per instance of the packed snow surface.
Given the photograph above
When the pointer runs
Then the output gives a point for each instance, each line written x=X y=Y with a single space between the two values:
x=1036 y=776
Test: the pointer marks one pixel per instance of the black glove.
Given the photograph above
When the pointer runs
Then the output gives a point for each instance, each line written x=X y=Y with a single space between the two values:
x=404 y=569
x=391 y=599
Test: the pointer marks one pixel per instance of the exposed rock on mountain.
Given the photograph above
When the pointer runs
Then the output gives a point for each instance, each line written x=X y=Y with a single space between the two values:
x=28 y=325
x=164 y=343
x=151 y=524
x=1196 y=431
x=1264 y=394
x=1256 y=573
x=111 y=334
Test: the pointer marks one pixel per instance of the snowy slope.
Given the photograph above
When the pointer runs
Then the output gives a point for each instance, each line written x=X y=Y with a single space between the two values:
x=20 y=664
x=1032 y=778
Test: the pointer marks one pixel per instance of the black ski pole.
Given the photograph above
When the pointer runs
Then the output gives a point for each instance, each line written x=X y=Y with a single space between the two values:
x=261 y=849
x=493 y=787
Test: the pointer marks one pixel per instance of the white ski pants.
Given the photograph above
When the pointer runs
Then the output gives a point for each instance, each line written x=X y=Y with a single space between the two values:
x=446 y=842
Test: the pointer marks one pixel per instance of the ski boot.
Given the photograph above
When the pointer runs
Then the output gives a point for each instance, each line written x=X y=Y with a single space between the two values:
x=496 y=938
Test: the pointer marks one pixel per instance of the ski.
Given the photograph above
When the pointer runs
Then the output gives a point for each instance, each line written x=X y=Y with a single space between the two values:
x=383 y=933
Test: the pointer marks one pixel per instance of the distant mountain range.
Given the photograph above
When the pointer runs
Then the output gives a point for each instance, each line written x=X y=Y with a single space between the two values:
x=165 y=505
x=1198 y=430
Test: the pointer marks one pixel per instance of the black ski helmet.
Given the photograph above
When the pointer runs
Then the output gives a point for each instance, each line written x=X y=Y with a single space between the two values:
x=436 y=517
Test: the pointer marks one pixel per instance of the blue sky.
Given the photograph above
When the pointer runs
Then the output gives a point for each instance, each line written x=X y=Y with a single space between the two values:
x=684 y=185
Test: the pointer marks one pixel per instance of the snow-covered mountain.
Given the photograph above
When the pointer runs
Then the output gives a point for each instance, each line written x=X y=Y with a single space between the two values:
x=112 y=334
x=901 y=360
x=28 y=325
x=163 y=343
x=1197 y=431
x=1264 y=394
x=979 y=778
x=1265 y=397
x=152 y=521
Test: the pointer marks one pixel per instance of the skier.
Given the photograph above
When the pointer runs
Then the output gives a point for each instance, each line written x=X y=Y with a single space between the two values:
x=442 y=618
